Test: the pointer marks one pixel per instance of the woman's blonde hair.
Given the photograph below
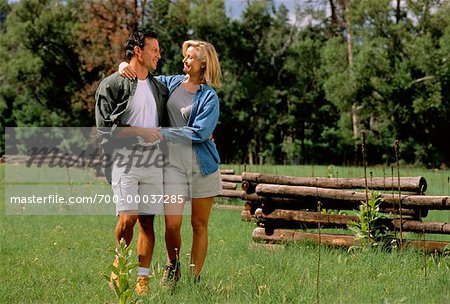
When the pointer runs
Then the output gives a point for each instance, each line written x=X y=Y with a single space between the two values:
x=212 y=74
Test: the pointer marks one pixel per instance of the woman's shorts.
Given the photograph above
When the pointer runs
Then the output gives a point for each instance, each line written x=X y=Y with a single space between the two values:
x=182 y=176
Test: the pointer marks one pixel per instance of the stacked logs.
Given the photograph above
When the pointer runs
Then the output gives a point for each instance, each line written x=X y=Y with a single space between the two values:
x=230 y=183
x=279 y=204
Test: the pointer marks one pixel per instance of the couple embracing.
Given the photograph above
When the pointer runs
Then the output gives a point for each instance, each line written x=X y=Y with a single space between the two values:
x=137 y=115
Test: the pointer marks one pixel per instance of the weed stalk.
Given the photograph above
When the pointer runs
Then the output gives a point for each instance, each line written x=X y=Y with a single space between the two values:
x=319 y=205
x=363 y=150
x=124 y=270
x=424 y=254
x=396 y=145
x=393 y=195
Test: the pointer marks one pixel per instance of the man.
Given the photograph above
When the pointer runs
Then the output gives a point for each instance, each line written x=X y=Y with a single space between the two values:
x=128 y=116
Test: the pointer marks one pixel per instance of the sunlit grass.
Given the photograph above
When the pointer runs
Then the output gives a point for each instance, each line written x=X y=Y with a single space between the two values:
x=59 y=259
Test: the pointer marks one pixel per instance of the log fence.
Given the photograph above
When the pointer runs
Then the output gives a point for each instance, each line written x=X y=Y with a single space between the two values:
x=281 y=205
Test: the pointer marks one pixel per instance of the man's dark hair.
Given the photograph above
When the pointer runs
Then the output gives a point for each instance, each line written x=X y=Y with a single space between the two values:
x=138 y=39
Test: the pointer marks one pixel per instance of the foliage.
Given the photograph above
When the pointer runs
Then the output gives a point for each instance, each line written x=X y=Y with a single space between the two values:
x=369 y=229
x=124 y=270
x=4 y=11
x=39 y=66
x=101 y=35
x=289 y=90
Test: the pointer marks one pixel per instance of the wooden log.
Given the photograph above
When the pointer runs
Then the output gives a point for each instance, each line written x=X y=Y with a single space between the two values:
x=409 y=184
x=414 y=213
x=280 y=236
x=251 y=207
x=248 y=206
x=246 y=216
x=229 y=185
x=283 y=236
x=231 y=178
x=251 y=197
x=249 y=187
x=419 y=201
x=272 y=203
x=312 y=219
x=279 y=202
x=228 y=207
x=301 y=219
x=418 y=226
x=226 y=171
x=231 y=193
x=334 y=196
x=425 y=245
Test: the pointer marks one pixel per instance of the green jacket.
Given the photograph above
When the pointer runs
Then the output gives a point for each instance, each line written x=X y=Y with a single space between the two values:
x=112 y=97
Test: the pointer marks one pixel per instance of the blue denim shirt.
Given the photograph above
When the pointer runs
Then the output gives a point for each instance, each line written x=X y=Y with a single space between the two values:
x=202 y=122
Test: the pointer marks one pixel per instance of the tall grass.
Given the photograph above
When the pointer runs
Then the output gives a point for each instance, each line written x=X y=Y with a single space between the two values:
x=59 y=259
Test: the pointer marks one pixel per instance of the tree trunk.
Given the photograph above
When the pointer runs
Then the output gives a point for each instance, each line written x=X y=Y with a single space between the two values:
x=334 y=18
x=354 y=110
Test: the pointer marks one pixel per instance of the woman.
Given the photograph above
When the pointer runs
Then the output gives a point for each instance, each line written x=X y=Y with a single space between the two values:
x=193 y=169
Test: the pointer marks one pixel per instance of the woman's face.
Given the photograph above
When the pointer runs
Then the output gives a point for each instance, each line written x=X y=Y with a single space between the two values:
x=192 y=65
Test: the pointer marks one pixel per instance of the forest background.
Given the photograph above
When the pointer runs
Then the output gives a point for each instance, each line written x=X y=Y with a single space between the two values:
x=298 y=87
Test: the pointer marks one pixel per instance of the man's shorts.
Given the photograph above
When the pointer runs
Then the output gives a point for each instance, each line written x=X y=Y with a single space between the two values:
x=137 y=181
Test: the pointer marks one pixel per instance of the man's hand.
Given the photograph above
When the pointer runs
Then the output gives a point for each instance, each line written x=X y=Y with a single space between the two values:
x=150 y=135
x=125 y=70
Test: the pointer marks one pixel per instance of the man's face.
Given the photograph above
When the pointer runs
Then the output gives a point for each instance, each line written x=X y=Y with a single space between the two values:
x=150 y=54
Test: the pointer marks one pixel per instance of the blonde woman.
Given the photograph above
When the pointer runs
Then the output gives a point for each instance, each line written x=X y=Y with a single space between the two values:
x=193 y=169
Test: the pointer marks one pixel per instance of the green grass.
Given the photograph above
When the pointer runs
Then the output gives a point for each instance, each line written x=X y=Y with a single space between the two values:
x=59 y=259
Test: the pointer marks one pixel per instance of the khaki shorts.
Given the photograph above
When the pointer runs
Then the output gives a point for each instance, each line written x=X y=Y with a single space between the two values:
x=182 y=175
x=137 y=183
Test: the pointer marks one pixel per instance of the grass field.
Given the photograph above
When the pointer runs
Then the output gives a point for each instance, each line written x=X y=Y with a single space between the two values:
x=60 y=259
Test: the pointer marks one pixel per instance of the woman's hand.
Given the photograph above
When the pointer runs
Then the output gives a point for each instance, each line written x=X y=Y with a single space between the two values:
x=125 y=70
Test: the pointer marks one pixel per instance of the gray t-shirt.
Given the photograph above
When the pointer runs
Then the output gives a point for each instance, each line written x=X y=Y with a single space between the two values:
x=179 y=107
